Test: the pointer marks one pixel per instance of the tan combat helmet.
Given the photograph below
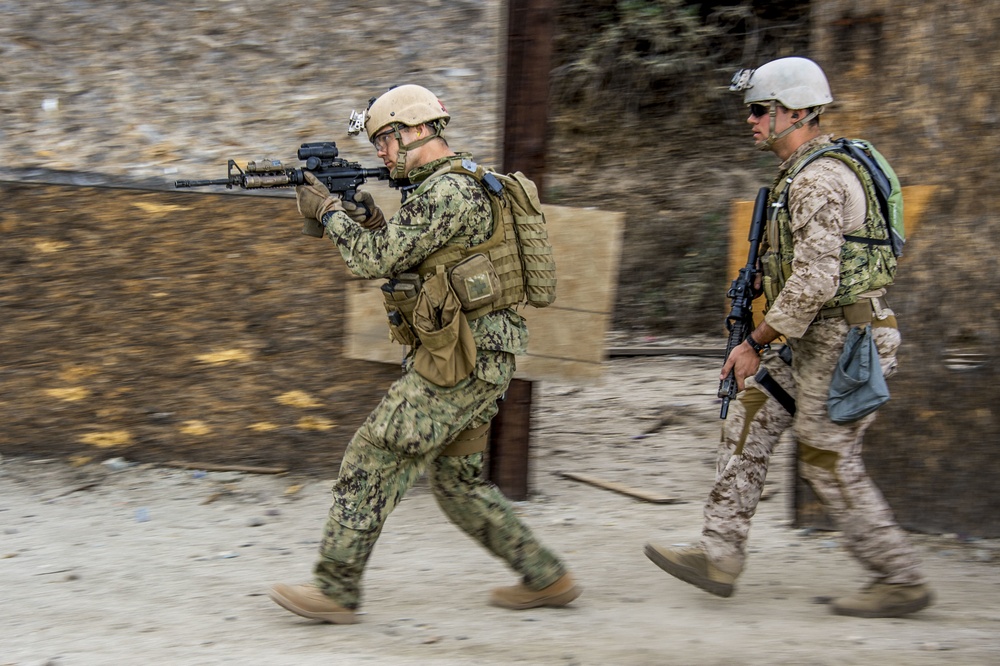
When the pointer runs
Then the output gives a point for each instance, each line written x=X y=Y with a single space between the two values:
x=407 y=105
x=794 y=83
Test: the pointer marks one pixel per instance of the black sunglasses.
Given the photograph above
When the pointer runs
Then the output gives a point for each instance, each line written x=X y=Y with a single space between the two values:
x=758 y=110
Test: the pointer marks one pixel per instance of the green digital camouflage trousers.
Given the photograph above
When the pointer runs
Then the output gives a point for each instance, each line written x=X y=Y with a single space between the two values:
x=401 y=439
x=830 y=457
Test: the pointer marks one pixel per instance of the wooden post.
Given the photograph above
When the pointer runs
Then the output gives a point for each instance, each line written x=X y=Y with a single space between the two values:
x=510 y=436
x=529 y=54
x=530 y=33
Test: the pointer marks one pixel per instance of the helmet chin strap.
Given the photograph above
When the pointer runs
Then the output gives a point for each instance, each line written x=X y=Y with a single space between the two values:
x=399 y=169
x=772 y=137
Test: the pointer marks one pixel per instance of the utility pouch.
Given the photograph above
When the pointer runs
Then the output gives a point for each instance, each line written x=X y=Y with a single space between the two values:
x=400 y=298
x=858 y=314
x=774 y=278
x=475 y=282
x=447 y=351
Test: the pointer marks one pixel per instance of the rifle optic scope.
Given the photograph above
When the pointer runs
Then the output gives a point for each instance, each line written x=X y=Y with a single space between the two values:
x=326 y=150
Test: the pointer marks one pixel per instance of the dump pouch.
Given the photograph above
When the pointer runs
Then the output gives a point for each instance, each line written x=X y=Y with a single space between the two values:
x=447 y=351
x=858 y=387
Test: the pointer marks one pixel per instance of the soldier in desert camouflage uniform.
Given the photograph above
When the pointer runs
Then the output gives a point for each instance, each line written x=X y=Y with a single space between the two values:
x=818 y=284
x=420 y=425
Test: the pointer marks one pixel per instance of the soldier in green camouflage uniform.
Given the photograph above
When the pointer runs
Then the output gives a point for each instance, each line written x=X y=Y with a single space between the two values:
x=417 y=420
x=815 y=281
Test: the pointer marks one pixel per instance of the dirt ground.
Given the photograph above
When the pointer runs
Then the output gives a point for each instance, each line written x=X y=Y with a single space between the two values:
x=117 y=563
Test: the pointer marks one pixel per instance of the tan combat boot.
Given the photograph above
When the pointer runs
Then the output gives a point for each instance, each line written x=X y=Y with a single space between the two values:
x=521 y=597
x=691 y=565
x=308 y=601
x=883 y=600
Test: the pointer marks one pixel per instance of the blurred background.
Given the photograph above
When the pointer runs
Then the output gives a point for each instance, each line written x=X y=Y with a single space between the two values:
x=111 y=293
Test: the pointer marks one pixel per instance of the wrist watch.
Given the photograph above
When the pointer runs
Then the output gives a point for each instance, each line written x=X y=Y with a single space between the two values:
x=756 y=346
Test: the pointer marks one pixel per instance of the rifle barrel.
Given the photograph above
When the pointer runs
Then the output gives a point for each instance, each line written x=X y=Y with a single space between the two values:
x=200 y=183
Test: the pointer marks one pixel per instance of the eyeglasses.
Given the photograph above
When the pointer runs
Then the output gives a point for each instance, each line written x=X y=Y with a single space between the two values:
x=759 y=110
x=381 y=141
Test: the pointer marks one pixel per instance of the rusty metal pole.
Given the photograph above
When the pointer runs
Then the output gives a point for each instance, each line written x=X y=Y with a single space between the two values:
x=510 y=438
x=530 y=31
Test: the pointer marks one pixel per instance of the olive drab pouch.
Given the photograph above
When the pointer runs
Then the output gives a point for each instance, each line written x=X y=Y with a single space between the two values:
x=858 y=387
x=775 y=274
x=447 y=350
x=475 y=282
x=537 y=259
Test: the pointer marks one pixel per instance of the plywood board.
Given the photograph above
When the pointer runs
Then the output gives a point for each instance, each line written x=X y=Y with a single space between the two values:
x=567 y=338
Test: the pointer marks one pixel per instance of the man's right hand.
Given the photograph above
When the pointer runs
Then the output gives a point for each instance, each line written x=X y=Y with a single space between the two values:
x=743 y=361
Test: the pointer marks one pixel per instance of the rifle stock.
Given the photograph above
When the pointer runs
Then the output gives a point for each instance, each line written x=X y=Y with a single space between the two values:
x=739 y=323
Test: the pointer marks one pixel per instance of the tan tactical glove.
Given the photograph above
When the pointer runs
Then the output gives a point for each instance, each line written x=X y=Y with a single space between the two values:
x=364 y=211
x=314 y=200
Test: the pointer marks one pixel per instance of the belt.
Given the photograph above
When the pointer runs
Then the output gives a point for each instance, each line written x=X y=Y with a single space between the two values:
x=862 y=312
x=469 y=441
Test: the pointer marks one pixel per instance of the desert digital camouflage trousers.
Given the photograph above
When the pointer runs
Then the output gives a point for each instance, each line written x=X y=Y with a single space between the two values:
x=401 y=439
x=830 y=455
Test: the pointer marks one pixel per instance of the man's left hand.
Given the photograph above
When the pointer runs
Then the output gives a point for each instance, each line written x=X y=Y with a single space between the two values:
x=314 y=199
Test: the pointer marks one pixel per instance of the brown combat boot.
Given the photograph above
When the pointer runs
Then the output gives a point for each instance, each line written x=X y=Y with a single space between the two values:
x=691 y=565
x=883 y=600
x=521 y=597
x=308 y=601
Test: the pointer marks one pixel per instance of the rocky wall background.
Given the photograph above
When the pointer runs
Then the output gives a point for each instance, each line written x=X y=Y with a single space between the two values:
x=149 y=90
x=921 y=80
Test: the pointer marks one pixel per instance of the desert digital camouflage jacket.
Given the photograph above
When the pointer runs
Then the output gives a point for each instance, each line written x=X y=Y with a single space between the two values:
x=807 y=263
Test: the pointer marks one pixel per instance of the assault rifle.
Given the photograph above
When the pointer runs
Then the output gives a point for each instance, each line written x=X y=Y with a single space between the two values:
x=739 y=323
x=338 y=175
x=740 y=319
